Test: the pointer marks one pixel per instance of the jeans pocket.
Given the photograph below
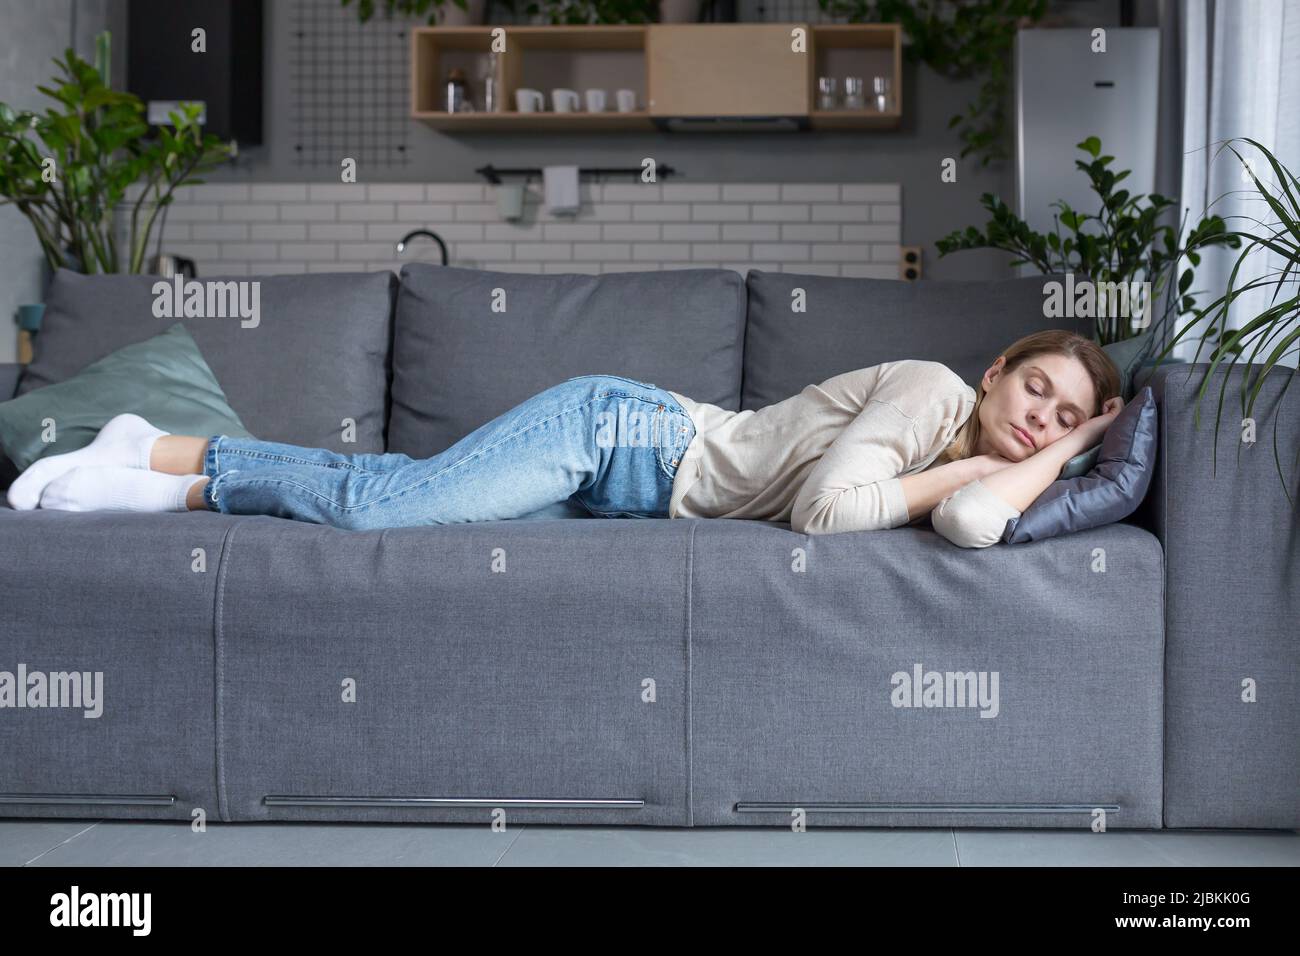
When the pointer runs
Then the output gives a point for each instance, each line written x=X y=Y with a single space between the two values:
x=673 y=432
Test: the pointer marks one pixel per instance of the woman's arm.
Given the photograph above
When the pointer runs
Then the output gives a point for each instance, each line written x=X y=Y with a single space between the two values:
x=926 y=489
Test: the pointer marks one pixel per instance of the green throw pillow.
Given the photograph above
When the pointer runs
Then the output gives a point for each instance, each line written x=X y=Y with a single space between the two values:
x=163 y=380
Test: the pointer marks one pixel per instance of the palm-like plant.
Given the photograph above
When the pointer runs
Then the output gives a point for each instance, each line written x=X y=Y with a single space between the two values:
x=1281 y=318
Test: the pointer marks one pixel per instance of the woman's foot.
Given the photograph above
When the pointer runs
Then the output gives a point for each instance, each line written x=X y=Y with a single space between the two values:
x=119 y=489
x=124 y=442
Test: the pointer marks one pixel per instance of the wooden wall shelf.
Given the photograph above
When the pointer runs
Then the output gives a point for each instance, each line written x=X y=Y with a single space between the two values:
x=688 y=70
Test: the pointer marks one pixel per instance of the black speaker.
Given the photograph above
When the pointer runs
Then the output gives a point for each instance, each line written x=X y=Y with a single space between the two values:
x=163 y=66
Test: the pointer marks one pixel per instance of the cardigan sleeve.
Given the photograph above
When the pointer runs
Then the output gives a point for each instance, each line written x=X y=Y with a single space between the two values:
x=973 y=516
x=855 y=486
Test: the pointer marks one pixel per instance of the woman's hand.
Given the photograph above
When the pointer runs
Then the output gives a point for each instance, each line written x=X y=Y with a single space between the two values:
x=1090 y=433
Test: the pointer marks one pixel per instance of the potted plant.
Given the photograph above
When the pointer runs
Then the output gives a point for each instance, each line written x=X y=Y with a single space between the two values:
x=577 y=12
x=68 y=169
x=445 y=13
x=1281 y=320
x=1123 y=242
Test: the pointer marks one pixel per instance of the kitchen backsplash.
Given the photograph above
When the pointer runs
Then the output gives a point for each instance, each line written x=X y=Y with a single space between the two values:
x=844 y=229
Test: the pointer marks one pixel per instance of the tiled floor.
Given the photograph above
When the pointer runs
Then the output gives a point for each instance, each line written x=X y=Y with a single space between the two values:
x=128 y=843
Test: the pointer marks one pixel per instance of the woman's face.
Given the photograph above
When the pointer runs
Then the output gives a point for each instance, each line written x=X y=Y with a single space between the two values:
x=1045 y=398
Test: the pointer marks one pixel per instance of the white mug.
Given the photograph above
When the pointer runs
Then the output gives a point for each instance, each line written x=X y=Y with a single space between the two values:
x=626 y=101
x=595 y=101
x=529 y=101
x=564 y=101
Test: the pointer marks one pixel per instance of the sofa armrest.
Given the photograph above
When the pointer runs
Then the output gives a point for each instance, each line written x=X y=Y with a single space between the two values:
x=1200 y=495
x=9 y=372
x=1231 y=543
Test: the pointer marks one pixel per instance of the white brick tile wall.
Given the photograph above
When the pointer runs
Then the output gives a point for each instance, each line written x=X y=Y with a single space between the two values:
x=719 y=212
x=192 y=212
x=844 y=229
x=455 y=192
x=249 y=211
x=337 y=192
x=746 y=230
x=219 y=230
x=661 y=211
x=695 y=230
x=340 y=230
x=366 y=212
x=751 y=192
x=631 y=230
x=781 y=212
x=309 y=212
x=401 y=192
x=277 y=230
x=279 y=192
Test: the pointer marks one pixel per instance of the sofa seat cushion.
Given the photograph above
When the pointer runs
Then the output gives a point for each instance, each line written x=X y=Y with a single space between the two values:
x=492 y=662
x=128 y=597
x=804 y=656
x=470 y=344
x=316 y=357
x=849 y=323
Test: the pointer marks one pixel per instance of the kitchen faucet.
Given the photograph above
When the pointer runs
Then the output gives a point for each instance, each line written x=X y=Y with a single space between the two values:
x=401 y=243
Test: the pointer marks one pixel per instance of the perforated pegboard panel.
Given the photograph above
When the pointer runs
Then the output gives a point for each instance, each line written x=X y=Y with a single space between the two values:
x=350 y=86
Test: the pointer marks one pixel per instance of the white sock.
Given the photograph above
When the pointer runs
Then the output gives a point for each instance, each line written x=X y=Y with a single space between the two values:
x=117 y=489
x=125 y=441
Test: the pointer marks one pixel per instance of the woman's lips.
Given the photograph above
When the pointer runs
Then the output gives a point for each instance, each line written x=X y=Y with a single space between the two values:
x=1023 y=436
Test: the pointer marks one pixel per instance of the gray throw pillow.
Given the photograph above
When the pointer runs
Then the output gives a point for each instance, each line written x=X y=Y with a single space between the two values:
x=163 y=380
x=317 y=355
x=847 y=323
x=470 y=344
x=1112 y=490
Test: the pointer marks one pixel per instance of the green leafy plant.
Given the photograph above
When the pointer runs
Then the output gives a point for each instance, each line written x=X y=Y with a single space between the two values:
x=595 y=11
x=571 y=12
x=961 y=40
x=1123 y=242
x=68 y=169
x=1280 y=236
x=413 y=8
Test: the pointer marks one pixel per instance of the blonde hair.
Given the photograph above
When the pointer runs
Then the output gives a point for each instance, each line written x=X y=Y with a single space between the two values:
x=1101 y=369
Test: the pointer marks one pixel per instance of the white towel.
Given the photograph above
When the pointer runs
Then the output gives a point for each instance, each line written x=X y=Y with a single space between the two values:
x=561 y=189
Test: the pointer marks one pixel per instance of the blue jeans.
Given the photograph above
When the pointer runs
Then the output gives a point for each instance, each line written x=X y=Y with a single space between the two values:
x=611 y=444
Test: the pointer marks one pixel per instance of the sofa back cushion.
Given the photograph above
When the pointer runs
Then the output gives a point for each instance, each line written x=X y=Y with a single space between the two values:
x=470 y=344
x=851 y=323
x=316 y=354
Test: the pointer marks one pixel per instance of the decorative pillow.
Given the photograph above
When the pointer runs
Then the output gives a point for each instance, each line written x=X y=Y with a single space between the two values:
x=849 y=322
x=1112 y=490
x=470 y=344
x=313 y=353
x=1083 y=463
x=163 y=379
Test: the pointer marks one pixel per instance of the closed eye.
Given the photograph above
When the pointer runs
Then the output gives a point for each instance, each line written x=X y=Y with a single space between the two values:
x=1064 y=424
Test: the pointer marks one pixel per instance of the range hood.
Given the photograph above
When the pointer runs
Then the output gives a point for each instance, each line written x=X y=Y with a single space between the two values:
x=731 y=124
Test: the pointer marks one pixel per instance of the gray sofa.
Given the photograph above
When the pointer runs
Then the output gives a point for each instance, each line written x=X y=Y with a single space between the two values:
x=649 y=672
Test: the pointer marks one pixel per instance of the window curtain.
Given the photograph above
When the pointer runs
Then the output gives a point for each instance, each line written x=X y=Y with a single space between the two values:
x=1239 y=75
